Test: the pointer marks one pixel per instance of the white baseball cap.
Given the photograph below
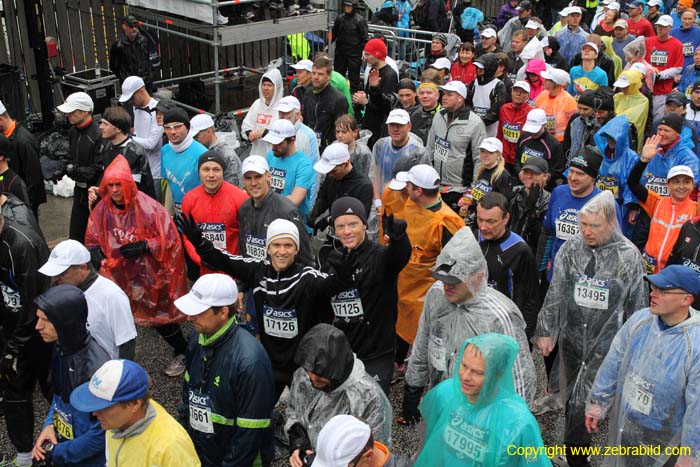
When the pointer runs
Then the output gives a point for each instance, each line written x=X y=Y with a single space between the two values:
x=340 y=440
x=288 y=103
x=257 y=164
x=622 y=82
x=664 y=20
x=565 y=12
x=398 y=183
x=399 y=116
x=279 y=131
x=614 y=6
x=200 y=122
x=532 y=25
x=424 y=176
x=334 y=154
x=491 y=144
x=592 y=45
x=680 y=170
x=536 y=119
x=303 y=65
x=560 y=77
x=455 y=86
x=545 y=42
x=209 y=290
x=656 y=3
x=524 y=85
x=489 y=32
x=575 y=9
x=64 y=255
x=442 y=63
x=77 y=101
x=130 y=86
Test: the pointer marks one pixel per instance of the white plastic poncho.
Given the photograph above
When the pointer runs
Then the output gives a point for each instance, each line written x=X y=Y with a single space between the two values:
x=445 y=326
x=326 y=352
x=593 y=291
x=651 y=380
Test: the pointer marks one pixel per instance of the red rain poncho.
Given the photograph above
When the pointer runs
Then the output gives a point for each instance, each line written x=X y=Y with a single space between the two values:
x=153 y=280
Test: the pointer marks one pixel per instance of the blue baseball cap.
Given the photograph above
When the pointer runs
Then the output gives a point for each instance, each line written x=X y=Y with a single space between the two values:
x=676 y=277
x=115 y=381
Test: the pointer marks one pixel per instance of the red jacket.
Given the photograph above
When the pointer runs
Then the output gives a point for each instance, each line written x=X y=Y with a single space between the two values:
x=464 y=73
x=510 y=123
x=217 y=217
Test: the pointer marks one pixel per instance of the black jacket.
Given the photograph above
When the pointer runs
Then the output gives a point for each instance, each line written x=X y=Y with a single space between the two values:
x=20 y=212
x=136 y=156
x=435 y=19
x=422 y=121
x=320 y=110
x=22 y=253
x=84 y=159
x=353 y=184
x=382 y=100
x=128 y=58
x=350 y=34
x=513 y=272
x=547 y=147
x=376 y=269
x=686 y=251
x=26 y=164
x=287 y=303
x=498 y=95
x=557 y=60
x=11 y=183
x=527 y=213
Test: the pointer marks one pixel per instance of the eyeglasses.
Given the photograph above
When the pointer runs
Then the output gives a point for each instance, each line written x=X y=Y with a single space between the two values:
x=666 y=291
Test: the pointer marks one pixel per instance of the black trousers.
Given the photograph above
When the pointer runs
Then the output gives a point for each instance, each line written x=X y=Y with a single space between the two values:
x=172 y=334
x=381 y=369
x=79 y=216
x=349 y=65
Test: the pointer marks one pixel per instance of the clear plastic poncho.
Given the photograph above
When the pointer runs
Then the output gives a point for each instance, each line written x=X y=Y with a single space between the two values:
x=493 y=431
x=651 y=380
x=592 y=293
x=444 y=326
x=326 y=352
x=155 y=279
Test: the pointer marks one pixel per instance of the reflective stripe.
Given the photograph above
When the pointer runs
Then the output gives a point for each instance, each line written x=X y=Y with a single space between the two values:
x=187 y=376
x=216 y=418
x=252 y=422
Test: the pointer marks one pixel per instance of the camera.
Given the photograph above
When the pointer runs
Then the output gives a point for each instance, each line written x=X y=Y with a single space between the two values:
x=47 y=462
x=308 y=459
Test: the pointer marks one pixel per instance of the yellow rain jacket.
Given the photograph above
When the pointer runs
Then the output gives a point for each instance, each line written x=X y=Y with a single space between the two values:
x=635 y=106
x=610 y=52
x=425 y=229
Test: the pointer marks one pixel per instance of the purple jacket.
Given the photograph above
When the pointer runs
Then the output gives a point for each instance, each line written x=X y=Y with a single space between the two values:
x=505 y=13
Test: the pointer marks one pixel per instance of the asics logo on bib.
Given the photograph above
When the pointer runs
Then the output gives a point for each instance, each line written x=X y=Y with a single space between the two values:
x=345 y=295
x=691 y=264
x=197 y=399
x=210 y=226
x=592 y=281
x=281 y=313
x=255 y=240
x=458 y=421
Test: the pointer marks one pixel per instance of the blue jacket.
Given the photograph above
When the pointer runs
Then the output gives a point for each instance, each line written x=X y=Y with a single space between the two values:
x=690 y=75
x=571 y=42
x=230 y=374
x=403 y=8
x=87 y=448
x=690 y=38
x=614 y=171
x=654 y=176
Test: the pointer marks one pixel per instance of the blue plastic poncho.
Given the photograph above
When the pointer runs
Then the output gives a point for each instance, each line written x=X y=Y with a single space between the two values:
x=493 y=431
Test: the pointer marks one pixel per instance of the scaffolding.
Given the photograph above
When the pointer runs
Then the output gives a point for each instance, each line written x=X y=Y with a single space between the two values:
x=219 y=36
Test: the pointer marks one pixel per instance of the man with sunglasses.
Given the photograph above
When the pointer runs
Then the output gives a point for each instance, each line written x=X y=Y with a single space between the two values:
x=651 y=374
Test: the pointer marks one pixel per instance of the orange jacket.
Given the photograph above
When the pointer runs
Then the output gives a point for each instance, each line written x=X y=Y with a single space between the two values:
x=559 y=110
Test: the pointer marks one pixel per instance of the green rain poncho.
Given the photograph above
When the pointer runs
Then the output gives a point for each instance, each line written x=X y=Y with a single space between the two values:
x=496 y=430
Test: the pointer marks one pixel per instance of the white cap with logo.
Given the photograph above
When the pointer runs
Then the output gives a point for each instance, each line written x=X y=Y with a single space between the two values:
x=621 y=82
x=524 y=85
x=130 y=86
x=257 y=164
x=532 y=25
x=279 y=131
x=200 y=122
x=340 y=440
x=209 y=290
x=64 y=255
x=536 y=119
x=455 y=86
x=288 y=103
x=491 y=144
x=680 y=170
x=442 y=63
x=303 y=65
x=489 y=32
x=399 y=116
x=334 y=154
x=77 y=101
x=664 y=20
x=560 y=77
x=424 y=176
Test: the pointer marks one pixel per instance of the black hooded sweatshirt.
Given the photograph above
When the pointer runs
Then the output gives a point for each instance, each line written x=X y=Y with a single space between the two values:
x=557 y=60
x=498 y=95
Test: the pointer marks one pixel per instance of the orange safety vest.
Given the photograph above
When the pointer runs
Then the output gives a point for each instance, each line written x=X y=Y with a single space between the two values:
x=425 y=233
x=667 y=219
x=393 y=202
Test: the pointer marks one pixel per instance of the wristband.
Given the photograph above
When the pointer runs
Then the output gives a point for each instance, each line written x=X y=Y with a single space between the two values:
x=377 y=203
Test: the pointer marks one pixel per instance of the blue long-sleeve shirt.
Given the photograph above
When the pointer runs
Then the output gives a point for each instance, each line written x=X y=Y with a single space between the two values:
x=87 y=446
x=690 y=38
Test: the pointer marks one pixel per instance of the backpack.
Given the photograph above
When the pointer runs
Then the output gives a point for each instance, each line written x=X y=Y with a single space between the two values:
x=470 y=18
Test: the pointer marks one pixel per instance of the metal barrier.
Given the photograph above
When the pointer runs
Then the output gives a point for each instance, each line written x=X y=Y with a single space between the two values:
x=405 y=45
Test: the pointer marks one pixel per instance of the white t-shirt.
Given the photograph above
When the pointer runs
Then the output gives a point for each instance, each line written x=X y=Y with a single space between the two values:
x=110 y=320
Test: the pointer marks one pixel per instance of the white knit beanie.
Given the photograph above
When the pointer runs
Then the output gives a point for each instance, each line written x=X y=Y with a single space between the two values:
x=280 y=228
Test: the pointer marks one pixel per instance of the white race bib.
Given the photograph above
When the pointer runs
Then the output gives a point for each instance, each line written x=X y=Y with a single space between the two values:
x=442 y=149
x=11 y=298
x=638 y=393
x=280 y=323
x=255 y=246
x=200 y=412
x=278 y=179
x=657 y=185
x=347 y=305
x=215 y=233
x=591 y=292
x=565 y=230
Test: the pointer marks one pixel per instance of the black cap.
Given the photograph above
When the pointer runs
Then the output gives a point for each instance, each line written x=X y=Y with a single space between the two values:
x=164 y=105
x=696 y=86
x=176 y=115
x=536 y=164
x=524 y=5
x=587 y=98
x=442 y=273
x=588 y=161
x=676 y=97
x=347 y=205
x=674 y=121
x=603 y=99
x=130 y=21
x=212 y=156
